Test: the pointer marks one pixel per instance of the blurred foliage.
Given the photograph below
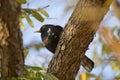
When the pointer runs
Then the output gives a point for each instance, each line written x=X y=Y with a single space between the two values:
x=117 y=77
x=87 y=76
x=38 y=46
x=35 y=13
x=115 y=65
x=37 y=73
x=26 y=51
x=34 y=73
x=111 y=40
x=35 y=46
x=108 y=55
x=21 y=1
x=38 y=14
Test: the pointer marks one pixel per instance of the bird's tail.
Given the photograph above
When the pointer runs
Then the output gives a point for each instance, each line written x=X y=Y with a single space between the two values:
x=87 y=63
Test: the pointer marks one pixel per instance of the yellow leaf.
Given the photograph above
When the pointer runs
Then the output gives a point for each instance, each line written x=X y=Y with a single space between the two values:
x=21 y=1
x=36 y=15
x=22 y=25
x=114 y=66
x=83 y=76
x=28 y=19
x=44 y=12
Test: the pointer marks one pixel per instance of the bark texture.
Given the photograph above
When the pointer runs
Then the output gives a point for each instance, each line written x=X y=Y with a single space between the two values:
x=76 y=37
x=11 y=51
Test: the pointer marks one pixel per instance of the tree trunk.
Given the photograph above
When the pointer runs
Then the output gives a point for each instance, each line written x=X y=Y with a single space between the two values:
x=11 y=50
x=76 y=37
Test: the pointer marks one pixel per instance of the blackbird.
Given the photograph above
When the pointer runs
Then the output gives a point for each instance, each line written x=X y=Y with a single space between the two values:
x=50 y=35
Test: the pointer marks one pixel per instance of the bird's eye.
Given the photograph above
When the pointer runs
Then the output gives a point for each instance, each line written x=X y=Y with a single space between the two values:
x=43 y=27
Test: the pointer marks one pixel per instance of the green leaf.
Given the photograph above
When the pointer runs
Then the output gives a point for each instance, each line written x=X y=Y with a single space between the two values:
x=32 y=74
x=117 y=77
x=23 y=79
x=48 y=76
x=25 y=52
x=33 y=78
x=39 y=46
x=21 y=1
x=36 y=15
x=118 y=33
x=16 y=4
x=114 y=28
x=106 y=49
x=115 y=66
x=28 y=19
x=21 y=24
x=44 y=12
x=100 y=39
x=35 y=68
x=89 y=75
x=27 y=10
x=38 y=74
x=27 y=73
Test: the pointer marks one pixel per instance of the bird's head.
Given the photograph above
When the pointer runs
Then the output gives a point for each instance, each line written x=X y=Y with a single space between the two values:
x=44 y=29
x=50 y=35
x=49 y=28
x=47 y=31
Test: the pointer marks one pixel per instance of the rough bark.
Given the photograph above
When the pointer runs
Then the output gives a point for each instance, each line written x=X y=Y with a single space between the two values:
x=76 y=37
x=11 y=50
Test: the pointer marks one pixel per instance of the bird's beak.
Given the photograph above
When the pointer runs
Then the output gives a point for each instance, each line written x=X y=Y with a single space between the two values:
x=38 y=31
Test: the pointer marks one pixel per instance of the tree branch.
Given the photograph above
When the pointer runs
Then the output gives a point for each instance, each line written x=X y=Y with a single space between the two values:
x=76 y=37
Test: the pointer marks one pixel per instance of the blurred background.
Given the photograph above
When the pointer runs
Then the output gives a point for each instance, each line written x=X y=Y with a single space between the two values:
x=103 y=50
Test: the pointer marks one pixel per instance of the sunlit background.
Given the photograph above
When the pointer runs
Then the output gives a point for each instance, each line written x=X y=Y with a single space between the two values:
x=59 y=12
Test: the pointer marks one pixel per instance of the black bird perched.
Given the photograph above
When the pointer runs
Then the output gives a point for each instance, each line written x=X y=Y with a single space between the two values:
x=50 y=36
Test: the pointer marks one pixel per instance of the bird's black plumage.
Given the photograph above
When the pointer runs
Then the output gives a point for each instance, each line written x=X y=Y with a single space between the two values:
x=50 y=35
